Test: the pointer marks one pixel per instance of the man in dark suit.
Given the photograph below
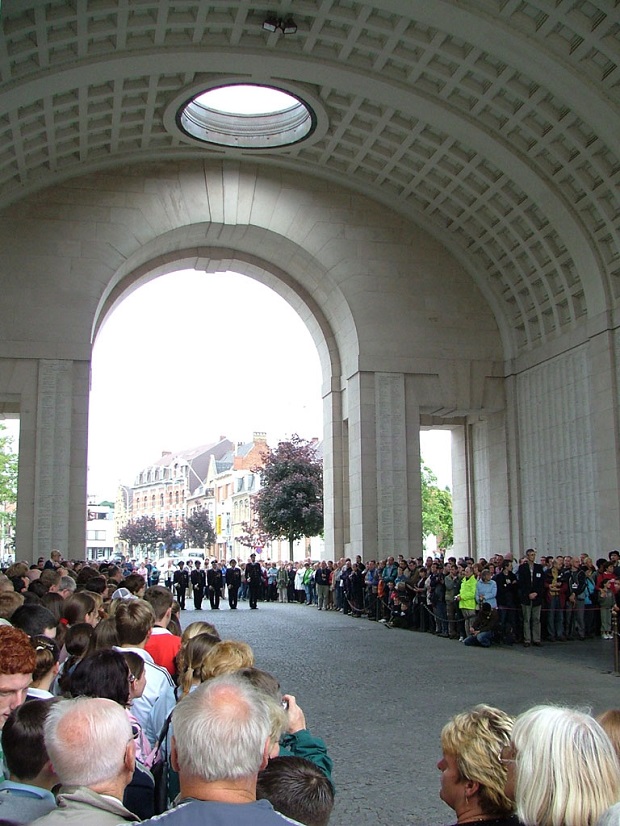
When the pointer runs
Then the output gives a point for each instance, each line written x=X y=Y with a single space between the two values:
x=254 y=577
x=215 y=583
x=233 y=582
x=531 y=590
x=198 y=579
x=180 y=580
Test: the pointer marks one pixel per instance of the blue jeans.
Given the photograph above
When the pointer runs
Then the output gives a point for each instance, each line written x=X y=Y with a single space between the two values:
x=440 y=618
x=484 y=638
x=308 y=590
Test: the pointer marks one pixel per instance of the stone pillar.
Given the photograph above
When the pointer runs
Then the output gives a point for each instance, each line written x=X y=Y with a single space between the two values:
x=603 y=411
x=384 y=466
x=360 y=414
x=461 y=501
x=51 y=507
x=392 y=464
x=490 y=486
x=334 y=447
x=513 y=469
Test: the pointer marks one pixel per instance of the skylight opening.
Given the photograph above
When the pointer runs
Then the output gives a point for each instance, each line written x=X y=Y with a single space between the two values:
x=247 y=116
x=243 y=99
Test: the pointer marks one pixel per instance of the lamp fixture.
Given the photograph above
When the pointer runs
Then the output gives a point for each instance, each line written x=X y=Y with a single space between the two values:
x=284 y=24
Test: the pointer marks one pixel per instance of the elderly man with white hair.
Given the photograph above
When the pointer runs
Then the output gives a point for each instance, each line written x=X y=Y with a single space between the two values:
x=224 y=733
x=91 y=747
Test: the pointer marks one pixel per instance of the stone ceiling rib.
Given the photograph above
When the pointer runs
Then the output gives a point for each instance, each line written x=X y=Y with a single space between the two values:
x=494 y=122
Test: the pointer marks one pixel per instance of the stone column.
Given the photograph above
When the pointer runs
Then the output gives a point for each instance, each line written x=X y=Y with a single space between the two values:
x=53 y=442
x=603 y=410
x=461 y=500
x=384 y=466
x=334 y=446
x=360 y=414
x=513 y=469
x=392 y=464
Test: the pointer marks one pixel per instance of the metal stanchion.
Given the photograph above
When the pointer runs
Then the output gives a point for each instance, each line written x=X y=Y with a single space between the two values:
x=614 y=631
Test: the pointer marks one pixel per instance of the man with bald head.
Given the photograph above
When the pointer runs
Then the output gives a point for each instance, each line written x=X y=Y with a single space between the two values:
x=91 y=746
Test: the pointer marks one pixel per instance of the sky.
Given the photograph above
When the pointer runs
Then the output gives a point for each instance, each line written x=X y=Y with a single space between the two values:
x=193 y=356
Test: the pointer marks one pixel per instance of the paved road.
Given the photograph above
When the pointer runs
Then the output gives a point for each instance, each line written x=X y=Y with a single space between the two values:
x=379 y=697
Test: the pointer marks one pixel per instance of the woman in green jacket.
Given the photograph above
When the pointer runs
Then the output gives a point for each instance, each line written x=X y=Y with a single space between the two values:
x=467 y=598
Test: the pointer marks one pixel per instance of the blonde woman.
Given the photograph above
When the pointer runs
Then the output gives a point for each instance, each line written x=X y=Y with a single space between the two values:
x=563 y=769
x=473 y=778
x=225 y=657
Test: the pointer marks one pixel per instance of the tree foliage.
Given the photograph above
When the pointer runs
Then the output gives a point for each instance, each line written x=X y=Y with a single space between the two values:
x=198 y=531
x=289 y=504
x=8 y=484
x=169 y=536
x=142 y=532
x=436 y=509
x=253 y=535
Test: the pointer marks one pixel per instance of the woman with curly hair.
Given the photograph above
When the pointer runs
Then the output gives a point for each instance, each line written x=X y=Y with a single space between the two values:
x=473 y=778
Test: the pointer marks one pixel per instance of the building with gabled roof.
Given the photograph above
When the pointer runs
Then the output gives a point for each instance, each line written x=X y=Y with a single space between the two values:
x=162 y=489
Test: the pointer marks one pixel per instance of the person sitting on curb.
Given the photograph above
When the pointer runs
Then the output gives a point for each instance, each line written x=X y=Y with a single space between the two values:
x=483 y=627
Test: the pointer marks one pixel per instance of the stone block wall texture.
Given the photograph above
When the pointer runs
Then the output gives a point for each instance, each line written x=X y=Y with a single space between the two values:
x=490 y=481
x=556 y=457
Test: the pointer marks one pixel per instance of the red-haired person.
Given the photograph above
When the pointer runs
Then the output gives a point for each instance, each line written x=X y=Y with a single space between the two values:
x=17 y=662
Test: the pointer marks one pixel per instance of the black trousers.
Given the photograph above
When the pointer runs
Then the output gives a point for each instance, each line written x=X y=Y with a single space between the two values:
x=214 y=597
x=232 y=596
x=198 y=595
x=254 y=594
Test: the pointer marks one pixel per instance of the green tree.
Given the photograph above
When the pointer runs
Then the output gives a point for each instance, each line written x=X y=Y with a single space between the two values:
x=198 y=531
x=169 y=536
x=289 y=504
x=436 y=509
x=8 y=490
x=253 y=535
x=142 y=532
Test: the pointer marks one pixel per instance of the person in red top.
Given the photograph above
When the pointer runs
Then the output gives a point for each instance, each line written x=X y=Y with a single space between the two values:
x=162 y=645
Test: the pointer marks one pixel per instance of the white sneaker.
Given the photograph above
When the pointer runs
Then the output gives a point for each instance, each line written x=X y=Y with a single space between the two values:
x=383 y=620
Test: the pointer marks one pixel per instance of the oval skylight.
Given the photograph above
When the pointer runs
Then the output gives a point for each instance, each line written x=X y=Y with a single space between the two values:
x=247 y=116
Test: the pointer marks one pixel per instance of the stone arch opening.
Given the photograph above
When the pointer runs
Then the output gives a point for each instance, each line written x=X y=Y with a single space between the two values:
x=213 y=260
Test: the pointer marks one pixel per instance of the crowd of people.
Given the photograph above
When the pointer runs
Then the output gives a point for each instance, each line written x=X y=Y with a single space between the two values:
x=110 y=713
x=499 y=600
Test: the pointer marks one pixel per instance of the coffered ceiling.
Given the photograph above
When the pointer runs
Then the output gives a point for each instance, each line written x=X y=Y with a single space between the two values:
x=494 y=124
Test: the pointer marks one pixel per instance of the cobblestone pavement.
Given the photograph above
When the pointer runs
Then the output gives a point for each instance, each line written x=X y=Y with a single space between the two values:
x=379 y=697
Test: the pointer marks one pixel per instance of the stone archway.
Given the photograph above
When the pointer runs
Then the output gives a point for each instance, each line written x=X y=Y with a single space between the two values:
x=211 y=259
x=400 y=327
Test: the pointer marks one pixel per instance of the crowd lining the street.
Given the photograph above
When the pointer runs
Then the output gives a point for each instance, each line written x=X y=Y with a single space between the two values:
x=109 y=712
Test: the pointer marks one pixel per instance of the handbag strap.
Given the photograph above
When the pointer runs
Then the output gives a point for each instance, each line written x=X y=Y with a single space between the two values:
x=163 y=735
